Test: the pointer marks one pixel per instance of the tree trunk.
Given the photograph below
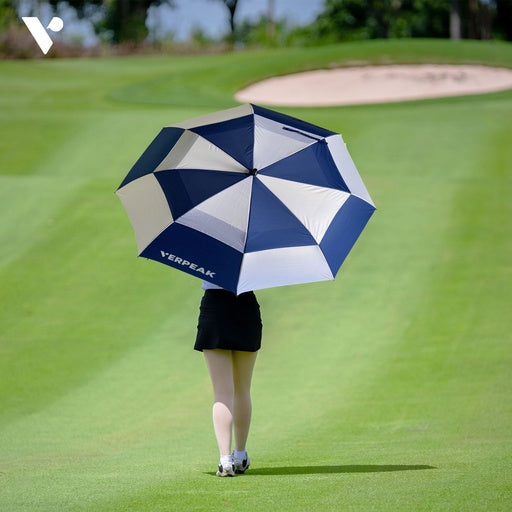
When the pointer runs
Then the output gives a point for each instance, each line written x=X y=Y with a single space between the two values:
x=455 y=25
x=271 y=26
x=231 y=5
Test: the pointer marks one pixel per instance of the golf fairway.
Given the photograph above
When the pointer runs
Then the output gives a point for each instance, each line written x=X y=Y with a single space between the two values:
x=385 y=390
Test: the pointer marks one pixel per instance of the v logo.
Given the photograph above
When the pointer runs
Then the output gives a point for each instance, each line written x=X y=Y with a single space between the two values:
x=40 y=34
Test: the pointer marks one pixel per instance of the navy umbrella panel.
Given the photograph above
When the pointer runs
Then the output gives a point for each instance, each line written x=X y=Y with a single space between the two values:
x=247 y=198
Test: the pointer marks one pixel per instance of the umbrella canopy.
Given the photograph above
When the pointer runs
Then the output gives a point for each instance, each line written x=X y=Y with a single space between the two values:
x=247 y=198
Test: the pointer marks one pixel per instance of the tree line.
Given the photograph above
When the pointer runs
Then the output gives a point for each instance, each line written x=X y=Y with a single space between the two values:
x=123 y=21
x=372 y=19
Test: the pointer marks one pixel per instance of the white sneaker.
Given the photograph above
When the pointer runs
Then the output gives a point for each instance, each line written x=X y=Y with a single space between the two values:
x=241 y=464
x=226 y=467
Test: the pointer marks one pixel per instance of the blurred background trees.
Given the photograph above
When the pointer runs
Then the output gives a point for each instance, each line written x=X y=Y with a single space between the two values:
x=343 y=20
x=125 y=22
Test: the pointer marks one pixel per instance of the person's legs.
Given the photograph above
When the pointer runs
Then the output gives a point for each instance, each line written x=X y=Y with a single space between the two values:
x=243 y=365
x=220 y=366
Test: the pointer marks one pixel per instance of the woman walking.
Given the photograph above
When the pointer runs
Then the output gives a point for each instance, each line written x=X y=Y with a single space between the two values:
x=229 y=335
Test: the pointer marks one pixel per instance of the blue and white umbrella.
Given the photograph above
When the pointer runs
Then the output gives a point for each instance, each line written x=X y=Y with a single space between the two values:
x=247 y=198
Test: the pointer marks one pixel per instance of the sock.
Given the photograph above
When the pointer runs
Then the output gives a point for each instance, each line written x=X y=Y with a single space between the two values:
x=240 y=455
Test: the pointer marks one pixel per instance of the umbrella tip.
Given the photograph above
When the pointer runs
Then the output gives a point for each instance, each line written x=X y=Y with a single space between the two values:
x=253 y=172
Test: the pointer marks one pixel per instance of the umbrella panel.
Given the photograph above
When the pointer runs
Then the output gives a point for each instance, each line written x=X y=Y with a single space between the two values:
x=312 y=165
x=186 y=188
x=154 y=154
x=197 y=254
x=272 y=224
x=235 y=137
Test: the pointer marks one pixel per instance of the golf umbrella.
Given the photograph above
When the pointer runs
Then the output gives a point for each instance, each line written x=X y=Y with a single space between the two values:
x=247 y=198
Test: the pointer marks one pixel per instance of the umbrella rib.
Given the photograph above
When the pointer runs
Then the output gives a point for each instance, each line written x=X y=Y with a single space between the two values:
x=288 y=129
x=249 y=203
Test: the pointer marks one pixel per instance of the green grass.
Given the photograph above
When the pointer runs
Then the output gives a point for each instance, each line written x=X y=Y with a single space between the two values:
x=386 y=390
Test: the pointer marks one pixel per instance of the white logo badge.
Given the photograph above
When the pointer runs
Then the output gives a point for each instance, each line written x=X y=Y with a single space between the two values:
x=40 y=34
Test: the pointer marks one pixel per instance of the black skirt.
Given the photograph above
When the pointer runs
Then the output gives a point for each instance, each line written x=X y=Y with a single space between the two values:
x=229 y=321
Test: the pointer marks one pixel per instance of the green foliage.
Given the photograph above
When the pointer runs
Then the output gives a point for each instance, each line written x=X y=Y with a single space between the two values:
x=503 y=19
x=79 y=5
x=8 y=14
x=344 y=20
x=126 y=20
x=263 y=32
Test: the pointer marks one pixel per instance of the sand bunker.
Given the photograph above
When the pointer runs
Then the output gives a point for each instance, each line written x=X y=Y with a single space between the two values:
x=376 y=84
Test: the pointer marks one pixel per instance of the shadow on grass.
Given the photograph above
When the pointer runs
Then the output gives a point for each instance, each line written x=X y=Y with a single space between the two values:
x=355 y=468
x=314 y=470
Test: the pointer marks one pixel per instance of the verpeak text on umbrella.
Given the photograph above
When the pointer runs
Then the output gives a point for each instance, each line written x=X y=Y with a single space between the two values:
x=185 y=263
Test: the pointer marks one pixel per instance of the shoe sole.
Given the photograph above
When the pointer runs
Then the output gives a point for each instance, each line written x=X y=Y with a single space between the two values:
x=241 y=471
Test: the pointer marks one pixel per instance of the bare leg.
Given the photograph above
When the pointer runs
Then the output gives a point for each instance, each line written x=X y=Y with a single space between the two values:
x=243 y=364
x=220 y=366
